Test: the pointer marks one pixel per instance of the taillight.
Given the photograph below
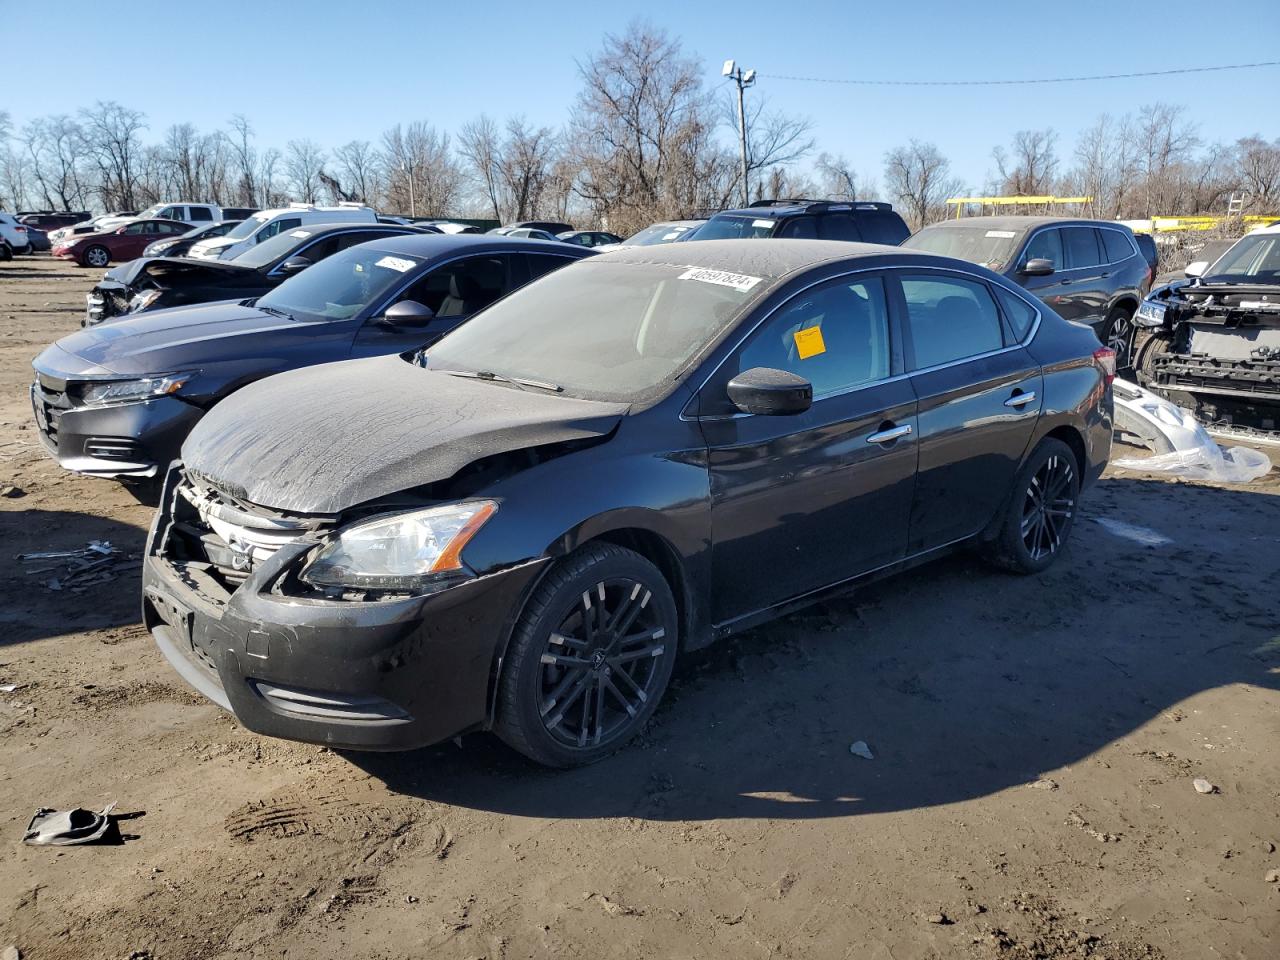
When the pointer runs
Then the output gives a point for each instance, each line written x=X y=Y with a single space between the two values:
x=21 y=229
x=1105 y=358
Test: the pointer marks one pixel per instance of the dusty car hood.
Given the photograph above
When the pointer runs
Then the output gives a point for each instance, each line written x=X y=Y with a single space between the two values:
x=183 y=338
x=330 y=437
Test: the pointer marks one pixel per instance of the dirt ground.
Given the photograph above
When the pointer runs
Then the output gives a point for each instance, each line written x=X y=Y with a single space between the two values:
x=1035 y=742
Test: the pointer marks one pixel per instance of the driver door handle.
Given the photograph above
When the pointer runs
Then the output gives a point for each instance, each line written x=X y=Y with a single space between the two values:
x=1020 y=399
x=888 y=436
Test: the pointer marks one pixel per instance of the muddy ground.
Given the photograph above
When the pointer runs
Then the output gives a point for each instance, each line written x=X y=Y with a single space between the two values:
x=1031 y=795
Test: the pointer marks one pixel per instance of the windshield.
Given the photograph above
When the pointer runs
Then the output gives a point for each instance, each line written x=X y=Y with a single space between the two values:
x=992 y=249
x=601 y=330
x=341 y=286
x=152 y=211
x=246 y=228
x=722 y=227
x=658 y=233
x=1254 y=259
x=273 y=248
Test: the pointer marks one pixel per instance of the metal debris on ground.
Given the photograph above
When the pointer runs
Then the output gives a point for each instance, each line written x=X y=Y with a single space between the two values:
x=77 y=570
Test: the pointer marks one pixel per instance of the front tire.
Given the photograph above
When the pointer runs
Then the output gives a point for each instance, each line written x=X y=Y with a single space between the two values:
x=590 y=658
x=1041 y=511
x=97 y=256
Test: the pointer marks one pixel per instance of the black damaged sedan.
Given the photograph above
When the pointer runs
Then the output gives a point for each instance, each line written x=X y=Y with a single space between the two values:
x=632 y=457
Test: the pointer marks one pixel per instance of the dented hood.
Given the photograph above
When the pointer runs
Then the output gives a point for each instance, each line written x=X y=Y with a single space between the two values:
x=330 y=437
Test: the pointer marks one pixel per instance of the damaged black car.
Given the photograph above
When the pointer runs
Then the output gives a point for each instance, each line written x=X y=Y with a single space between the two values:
x=1211 y=342
x=174 y=281
x=521 y=527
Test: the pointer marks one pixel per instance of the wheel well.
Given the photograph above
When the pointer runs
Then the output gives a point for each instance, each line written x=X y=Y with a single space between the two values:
x=1071 y=437
x=1128 y=303
x=662 y=555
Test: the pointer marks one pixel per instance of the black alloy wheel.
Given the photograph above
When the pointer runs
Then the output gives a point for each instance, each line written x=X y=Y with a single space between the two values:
x=590 y=658
x=1041 y=510
x=1048 y=507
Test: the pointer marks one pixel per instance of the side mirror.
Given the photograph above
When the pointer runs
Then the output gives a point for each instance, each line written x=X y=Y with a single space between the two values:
x=294 y=265
x=1037 y=267
x=1195 y=269
x=408 y=313
x=770 y=393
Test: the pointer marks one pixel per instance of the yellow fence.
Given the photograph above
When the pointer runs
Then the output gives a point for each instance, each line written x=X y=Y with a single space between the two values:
x=1189 y=224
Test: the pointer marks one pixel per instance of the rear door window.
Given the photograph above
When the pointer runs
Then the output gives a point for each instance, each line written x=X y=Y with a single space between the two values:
x=541 y=263
x=200 y=214
x=950 y=319
x=1116 y=245
x=1081 y=247
x=1046 y=245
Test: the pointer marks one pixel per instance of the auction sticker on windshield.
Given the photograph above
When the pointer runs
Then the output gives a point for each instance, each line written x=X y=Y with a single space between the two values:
x=762 y=224
x=300 y=234
x=395 y=263
x=1002 y=234
x=809 y=342
x=739 y=281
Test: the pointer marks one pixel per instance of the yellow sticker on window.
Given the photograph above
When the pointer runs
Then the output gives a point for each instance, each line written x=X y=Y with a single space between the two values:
x=809 y=342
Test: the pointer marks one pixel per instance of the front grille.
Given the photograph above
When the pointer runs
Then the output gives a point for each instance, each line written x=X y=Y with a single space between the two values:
x=227 y=538
x=51 y=400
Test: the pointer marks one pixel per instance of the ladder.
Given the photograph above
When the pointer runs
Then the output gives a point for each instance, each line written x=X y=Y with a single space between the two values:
x=1235 y=205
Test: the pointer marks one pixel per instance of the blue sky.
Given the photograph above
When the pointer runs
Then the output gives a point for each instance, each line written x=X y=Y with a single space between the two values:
x=334 y=71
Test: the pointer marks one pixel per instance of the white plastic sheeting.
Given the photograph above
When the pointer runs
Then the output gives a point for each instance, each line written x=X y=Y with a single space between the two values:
x=1181 y=445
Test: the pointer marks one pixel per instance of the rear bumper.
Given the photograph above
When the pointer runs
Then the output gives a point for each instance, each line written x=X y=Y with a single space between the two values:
x=382 y=675
x=126 y=440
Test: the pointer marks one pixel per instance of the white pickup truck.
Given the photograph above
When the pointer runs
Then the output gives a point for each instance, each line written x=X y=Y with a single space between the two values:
x=193 y=213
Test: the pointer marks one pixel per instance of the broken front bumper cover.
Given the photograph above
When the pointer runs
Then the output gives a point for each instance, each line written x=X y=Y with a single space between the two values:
x=1252 y=379
x=388 y=674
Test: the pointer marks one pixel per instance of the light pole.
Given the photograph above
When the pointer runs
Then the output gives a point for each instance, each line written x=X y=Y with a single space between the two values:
x=744 y=79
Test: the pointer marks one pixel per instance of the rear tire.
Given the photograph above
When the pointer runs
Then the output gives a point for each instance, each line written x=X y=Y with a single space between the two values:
x=6 y=251
x=1041 y=510
x=96 y=256
x=590 y=658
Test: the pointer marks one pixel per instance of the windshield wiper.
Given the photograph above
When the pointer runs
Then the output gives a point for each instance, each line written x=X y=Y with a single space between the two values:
x=521 y=382
x=274 y=312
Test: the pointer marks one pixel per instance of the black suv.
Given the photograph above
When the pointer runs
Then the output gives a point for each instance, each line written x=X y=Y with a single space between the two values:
x=1090 y=271
x=864 y=221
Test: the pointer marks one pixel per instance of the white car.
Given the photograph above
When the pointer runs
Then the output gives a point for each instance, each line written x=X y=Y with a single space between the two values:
x=193 y=213
x=13 y=237
x=267 y=223
x=92 y=225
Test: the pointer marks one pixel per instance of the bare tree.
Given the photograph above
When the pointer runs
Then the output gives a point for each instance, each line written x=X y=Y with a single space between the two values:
x=52 y=145
x=270 y=193
x=303 y=164
x=1165 y=143
x=525 y=164
x=357 y=164
x=918 y=178
x=1028 y=168
x=110 y=137
x=1258 y=166
x=838 y=181
x=480 y=147
x=420 y=155
x=244 y=160
x=642 y=129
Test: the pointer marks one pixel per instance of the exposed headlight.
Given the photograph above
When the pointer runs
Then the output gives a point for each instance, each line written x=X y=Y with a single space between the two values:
x=1150 y=314
x=143 y=300
x=131 y=391
x=158 y=249
x=400 y=551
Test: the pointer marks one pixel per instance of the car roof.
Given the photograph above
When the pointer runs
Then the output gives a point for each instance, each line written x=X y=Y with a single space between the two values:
x=1019 y=223
x=431 y=245
x=771 y=258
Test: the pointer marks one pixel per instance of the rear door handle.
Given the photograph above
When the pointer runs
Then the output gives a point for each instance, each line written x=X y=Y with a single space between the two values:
x=1020 y=399
x=888 y=436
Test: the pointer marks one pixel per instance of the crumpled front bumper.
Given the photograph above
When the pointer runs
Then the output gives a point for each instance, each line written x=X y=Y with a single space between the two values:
x=380 y=675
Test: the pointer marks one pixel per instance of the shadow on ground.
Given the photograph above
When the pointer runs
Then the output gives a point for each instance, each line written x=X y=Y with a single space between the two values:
x=964 y=681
